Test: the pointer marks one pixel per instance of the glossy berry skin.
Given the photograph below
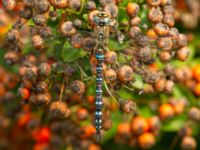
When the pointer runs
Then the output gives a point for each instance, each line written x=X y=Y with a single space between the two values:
x=132 y=9
x=139 y=125
x=24 y=93
x=166 y=111
x=146 y=140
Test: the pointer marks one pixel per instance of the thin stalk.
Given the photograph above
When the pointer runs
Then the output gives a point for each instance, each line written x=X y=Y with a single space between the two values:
x=62 y=91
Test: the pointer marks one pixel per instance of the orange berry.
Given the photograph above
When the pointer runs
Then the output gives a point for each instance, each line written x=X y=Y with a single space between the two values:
x=196 y=72
x=2 y=90
x=24 y=119
x=88 y=131
x=132 y=9
x=166 y=111
x=42 y=135
x=179 y=108
x=151 y=34
x=90 y=99
x=154 y=123
x=94 y=147
x=197 y=89
x=40 y=146
x=82 y=113
x=24 y=93
x=139 y=125
x=124 y=128
x=146 y=140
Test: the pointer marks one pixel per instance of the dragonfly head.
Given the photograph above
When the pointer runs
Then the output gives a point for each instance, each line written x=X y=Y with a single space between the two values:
x=102 y=19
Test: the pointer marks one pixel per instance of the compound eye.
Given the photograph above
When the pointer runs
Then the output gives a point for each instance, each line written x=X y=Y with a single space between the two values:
x=106 y=20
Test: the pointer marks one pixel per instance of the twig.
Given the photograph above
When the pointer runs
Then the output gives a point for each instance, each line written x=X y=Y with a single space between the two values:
x=62 y=91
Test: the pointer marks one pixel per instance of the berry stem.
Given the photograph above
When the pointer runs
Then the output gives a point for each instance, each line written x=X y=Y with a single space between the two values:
x=62 y=91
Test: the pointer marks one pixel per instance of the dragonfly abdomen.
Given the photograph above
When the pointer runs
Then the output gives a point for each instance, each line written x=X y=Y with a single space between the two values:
x=99 y=91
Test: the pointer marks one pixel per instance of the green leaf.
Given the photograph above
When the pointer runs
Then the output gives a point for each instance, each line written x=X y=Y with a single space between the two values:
x=145 y=111
x=117 y=117
x=70 y=54
x=174 y=125
x=116 y=46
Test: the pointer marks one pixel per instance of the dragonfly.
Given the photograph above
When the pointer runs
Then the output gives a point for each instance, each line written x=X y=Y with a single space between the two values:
x=101 y=33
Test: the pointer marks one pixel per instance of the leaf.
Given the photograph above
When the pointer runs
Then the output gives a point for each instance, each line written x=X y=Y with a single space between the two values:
x=116 y=46
x=145 y=111
x=117 y=117
x=70 y=54
x=174 y=125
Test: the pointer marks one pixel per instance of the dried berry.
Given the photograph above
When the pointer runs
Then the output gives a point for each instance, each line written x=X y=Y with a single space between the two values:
x=125 y=73
x=67 y=28
x=78 y=87
x=110 y=57
x=155 y=14
x=128 y=106
x=42 y=87
x=74 y=4
x=194 y=114
x=169 y=20
x=44 y=69
x=111 y=10
x=110 y=75
x=37 y=41
x=77 y=23
x=27 y=13
x=43 y=99
x=59 y=3
x=134 y=32
x=11 y=57
x=39 y=20
x=9 y=4
x=183 y=53
x=161 y=29
x=13 y=35
x=188 y=143
x=59 y=109
x=154 y=2
x=43 y=6
x=90 y=5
